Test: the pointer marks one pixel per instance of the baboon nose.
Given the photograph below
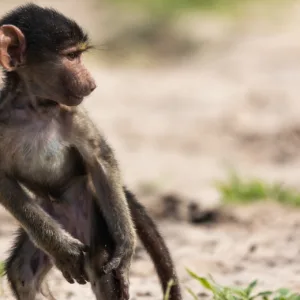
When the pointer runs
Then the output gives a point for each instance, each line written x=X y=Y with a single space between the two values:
x=93 y=86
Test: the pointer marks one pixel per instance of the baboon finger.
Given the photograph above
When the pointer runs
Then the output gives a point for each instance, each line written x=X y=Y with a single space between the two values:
x=68 y=277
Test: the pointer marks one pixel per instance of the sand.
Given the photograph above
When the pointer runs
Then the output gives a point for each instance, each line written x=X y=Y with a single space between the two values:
x=178 y=128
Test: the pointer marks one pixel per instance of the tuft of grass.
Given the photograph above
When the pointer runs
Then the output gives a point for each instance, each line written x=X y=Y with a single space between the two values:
x=238 y=190
x=220 y=292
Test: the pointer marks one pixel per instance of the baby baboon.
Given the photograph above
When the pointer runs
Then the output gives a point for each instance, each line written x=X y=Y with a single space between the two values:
x=58 y=176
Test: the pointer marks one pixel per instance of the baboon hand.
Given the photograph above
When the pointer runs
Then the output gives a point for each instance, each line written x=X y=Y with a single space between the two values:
x=121 y=258
x=70 y=260
x=119 y=264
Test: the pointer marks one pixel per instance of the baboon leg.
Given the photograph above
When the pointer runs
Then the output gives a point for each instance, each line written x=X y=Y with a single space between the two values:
x=104 y=286
x=82 y=218
x=27 y=265
x=26 y=268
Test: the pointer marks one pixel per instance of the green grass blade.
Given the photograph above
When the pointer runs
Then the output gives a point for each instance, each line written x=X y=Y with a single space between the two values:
x=265 y=295
x=167 y=294
x=192 y=293
x=1 y=269
x=204 y=282
x=250 y=288
x=283 y=291
x=294 y=296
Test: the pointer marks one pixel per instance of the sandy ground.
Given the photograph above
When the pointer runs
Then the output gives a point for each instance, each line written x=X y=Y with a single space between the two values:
x=178 y=128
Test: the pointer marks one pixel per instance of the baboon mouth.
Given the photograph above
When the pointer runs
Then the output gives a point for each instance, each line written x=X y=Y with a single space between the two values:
x=48 y=103
x=74 y=99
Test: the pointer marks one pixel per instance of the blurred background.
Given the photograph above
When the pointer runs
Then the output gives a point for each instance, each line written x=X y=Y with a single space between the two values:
x=200 y=100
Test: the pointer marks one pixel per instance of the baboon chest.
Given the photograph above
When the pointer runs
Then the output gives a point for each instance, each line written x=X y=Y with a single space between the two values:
x=42 y=154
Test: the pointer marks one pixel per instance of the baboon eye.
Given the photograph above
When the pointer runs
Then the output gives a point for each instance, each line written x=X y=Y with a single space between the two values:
x=73 y=55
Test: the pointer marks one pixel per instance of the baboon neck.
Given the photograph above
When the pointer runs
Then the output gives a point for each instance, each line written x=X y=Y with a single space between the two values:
x=11 y=80
x=12 y=83
x=17 y=93
x=14 y=92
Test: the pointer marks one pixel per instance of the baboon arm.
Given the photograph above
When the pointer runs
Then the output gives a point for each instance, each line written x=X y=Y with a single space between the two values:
x=112 y=201
x=29 y=214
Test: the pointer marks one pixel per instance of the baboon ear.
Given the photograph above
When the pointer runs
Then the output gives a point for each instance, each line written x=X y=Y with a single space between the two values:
x=12 y=47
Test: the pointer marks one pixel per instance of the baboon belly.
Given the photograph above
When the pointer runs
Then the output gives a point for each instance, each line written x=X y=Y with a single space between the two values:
x=73 y=210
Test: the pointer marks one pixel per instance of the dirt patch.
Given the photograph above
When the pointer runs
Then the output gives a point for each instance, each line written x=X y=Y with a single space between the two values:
x=256 y=242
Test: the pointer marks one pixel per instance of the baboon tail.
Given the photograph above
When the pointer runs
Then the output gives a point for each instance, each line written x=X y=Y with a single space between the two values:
x=155 y=245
